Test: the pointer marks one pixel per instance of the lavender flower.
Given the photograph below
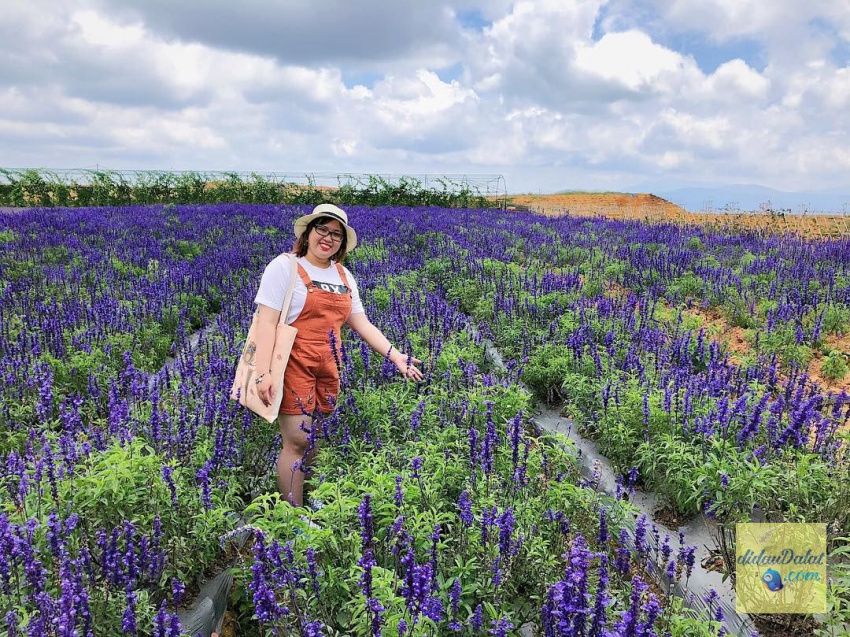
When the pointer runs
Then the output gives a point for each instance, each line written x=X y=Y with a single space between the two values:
x=177 y=591
x=623 y=560
x=11 y=621
x=455 y=625
x=602 y=538
x=367 y=531
x=399 y=495
x=313 y=570
x=477 y=621
x=640 y=535
x=415 y=466
x=128 y=623
x=501 y=627
x=168 y=478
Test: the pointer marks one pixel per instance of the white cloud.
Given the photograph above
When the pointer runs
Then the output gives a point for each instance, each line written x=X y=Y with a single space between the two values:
x=735 y=79
x=629 y=57
x=97 y=30
x=548 y=89
x=713 y=133
x=405 y=101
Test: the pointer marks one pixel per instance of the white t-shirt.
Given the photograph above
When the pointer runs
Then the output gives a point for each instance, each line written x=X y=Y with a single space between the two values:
x=275 y=281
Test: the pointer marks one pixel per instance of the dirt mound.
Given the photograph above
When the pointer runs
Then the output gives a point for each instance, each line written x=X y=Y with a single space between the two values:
x=654 y=209
x=609 y=204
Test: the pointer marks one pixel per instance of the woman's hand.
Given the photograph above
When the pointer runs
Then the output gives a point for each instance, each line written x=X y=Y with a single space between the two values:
x=378 y=342
x=406 y=366
x=265 y=390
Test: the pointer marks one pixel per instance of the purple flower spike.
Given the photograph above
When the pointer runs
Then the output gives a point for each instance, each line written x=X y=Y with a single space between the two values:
x=465 y=506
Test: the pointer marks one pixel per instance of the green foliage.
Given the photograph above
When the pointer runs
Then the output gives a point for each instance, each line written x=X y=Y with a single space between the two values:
x=125 y=484
x=188 y=250
x=695 y=243
x=571 y=256
x=350 y=471
x=682 y=621
x=592 y=287
x=111 y=188
x=689 y=284
x=121 y=483
x=579 y=389
x=615 y=270
x=472 y=299
x=55 y=255
x=782 y=342
x=834 y=366
x=381 y=298
x=799 y=355
x=125 y=269
x=837 y=617
x=836 y=319
x=546 y=370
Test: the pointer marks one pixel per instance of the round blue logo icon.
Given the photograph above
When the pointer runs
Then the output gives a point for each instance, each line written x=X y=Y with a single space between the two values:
x=772 y=580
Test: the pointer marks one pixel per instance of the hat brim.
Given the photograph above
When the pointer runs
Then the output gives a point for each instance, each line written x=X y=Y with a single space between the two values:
x=350 y=235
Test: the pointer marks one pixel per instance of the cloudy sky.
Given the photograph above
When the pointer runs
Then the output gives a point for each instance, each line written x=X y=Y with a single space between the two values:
x=553 y=94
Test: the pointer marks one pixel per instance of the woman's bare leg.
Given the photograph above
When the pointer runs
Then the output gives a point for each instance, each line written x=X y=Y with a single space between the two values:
x=290 y=482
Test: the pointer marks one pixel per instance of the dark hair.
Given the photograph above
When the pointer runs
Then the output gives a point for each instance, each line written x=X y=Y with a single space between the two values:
x=300 y=247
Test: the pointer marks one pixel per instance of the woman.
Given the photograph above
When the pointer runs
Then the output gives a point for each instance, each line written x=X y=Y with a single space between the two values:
x=325 y=297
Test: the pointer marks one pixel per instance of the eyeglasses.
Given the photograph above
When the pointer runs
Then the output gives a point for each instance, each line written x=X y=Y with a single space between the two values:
x=324 y=231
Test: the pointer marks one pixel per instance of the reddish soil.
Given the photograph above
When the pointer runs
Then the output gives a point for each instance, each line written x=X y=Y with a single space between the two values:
x=653 y=209
x=614 y=290
x=613 y=205
x=715 y=326
x=842 y=344
x=736 y=343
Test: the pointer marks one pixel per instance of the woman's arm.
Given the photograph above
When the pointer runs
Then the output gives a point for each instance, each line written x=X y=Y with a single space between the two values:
x=361 y=324
x=266 y=330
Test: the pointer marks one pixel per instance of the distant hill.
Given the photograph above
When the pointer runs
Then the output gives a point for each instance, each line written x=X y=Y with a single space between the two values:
x=750 y=197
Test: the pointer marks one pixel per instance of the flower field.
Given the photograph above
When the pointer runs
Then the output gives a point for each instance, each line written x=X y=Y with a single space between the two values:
x=711 y=367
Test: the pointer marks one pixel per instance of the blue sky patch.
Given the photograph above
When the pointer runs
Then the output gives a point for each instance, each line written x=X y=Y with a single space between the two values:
x=367 y=79
x=450 y=73
x=840 y=52
x=708 y=53
x=473 y=20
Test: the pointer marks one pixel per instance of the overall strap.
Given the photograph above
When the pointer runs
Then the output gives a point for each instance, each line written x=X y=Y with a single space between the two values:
x=342 y=276
x=305 y=278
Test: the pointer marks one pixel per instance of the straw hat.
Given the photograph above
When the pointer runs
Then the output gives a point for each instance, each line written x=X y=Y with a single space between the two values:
x=334 y=212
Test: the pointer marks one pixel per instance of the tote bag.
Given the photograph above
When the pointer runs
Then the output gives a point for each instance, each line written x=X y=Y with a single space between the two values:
x=244 y=388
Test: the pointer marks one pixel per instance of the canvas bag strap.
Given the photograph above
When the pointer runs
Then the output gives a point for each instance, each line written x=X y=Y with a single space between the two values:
x=287 y=301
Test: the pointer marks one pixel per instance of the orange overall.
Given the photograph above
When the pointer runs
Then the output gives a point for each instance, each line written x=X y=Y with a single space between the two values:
x=311 y=375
